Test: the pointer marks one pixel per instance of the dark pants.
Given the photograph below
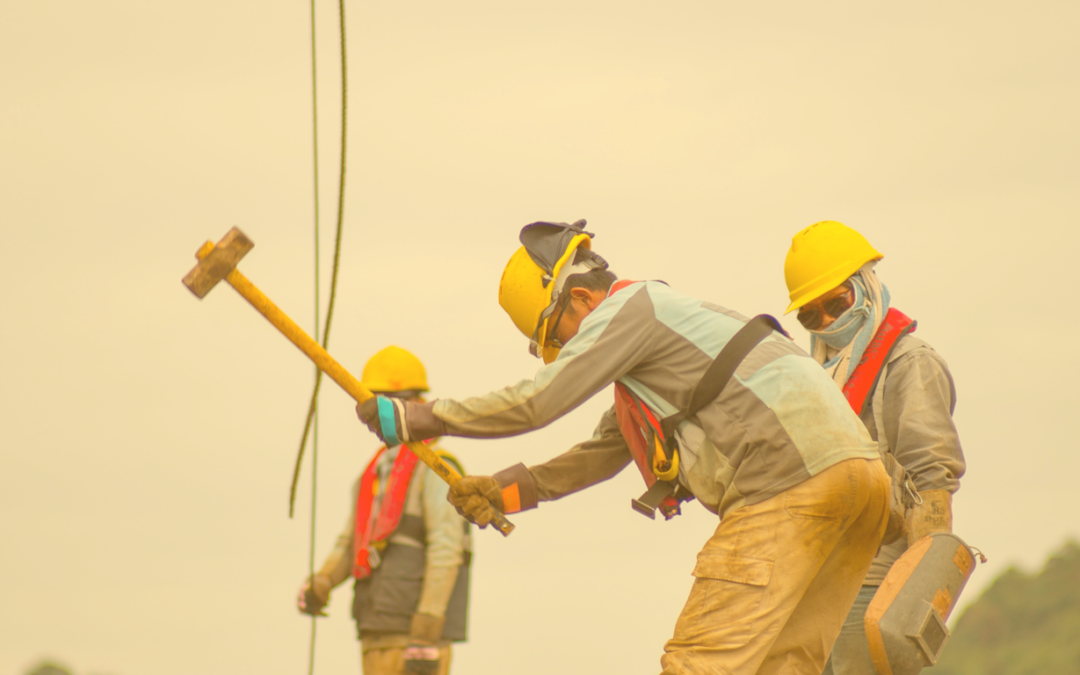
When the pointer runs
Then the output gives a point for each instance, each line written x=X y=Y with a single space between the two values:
x=850 y=652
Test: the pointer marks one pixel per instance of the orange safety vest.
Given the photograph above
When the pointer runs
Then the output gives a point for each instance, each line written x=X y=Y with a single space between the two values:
x=393 y=505
x=640 y=428
x=864 y=379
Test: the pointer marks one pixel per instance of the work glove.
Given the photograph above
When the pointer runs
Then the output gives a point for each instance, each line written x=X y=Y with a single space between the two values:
x=477 y=498
x=395 y=421
x=934 y=514
x=422 y=656
x=314 y=595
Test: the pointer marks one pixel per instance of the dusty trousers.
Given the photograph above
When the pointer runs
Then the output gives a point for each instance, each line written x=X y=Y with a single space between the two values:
x=774 y=583
x=391 y=660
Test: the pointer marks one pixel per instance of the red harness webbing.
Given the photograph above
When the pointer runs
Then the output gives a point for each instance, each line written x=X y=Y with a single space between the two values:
x=393 y=505
x=635 y=427
x=865 y=377
x=631 y=423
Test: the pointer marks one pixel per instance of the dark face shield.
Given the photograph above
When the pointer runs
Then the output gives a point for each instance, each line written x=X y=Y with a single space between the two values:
x=546 y=243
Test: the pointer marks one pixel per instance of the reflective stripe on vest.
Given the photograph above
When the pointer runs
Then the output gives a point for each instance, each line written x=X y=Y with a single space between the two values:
x=864 y=379
x=390 y=510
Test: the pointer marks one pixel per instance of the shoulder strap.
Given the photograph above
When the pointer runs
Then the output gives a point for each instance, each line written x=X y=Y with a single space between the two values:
x=721 y=369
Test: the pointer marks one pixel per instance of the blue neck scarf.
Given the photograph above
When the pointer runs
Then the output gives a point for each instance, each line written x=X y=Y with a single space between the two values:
x=851 y=332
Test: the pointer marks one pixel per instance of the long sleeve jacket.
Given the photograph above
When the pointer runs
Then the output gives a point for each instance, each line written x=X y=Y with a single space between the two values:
x=779 y=421
x=914 y=402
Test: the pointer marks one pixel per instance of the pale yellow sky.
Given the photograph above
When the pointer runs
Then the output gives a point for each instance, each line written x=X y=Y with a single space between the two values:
x=148 y=438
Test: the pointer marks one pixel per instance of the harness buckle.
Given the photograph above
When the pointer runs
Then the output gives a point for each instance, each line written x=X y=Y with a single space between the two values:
x=647 y=503
x=643 y=508
x=913 y=494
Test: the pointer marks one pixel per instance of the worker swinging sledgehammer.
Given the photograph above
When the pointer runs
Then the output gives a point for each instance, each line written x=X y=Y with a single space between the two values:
x=709 y=405
x=904 y=393
x=217 y=263
x=406 y=546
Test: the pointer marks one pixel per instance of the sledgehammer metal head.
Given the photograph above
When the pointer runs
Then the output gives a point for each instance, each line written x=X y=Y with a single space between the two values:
x=216 y=265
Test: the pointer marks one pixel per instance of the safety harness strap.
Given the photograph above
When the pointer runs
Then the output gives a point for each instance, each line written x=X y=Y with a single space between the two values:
x=867 y=374
x=666 y=494
x=371 y=534
x=721 y=369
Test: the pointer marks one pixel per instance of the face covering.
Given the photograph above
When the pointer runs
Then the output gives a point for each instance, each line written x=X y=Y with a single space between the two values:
x=840 y=347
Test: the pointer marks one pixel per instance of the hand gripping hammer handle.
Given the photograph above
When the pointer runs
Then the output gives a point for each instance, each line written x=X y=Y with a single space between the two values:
x=331 y=367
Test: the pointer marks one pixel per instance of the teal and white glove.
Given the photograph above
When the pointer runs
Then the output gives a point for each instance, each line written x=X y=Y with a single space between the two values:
x=385 y=417
x=396 y=421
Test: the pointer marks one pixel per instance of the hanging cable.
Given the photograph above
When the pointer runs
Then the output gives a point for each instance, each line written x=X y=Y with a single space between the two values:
x=337 y=259
x=318 y=304
x=311 y=424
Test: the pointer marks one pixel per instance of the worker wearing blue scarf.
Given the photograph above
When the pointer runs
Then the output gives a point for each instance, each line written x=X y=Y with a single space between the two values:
x=843 y=342
x=908 y=411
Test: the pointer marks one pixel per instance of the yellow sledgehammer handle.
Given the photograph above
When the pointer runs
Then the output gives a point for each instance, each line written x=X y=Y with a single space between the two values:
x=334 y=370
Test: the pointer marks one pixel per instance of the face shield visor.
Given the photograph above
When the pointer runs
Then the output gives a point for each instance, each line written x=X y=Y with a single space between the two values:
x=553 y=248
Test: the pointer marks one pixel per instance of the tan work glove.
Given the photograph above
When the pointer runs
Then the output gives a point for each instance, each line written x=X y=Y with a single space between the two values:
x=476 y=498
x=425 y=630
x=314 y=595
x=933 y=515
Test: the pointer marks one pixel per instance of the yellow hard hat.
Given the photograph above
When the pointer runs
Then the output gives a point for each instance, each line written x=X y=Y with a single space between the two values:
x=533 y=278
x=821 y=258
x=394 y=369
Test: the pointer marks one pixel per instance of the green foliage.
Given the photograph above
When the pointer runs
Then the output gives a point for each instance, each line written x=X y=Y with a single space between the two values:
x=48 y=668
x=1023 y=624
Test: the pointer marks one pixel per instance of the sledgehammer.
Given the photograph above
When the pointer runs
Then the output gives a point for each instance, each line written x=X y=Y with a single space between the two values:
x=219 y=262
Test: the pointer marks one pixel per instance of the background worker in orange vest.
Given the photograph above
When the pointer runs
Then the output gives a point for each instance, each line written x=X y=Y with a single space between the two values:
x=405 y=545
x=899 y=386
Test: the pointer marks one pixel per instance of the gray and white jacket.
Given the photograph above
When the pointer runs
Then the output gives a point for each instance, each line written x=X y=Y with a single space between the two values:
x=913 y=402
x=779 y=421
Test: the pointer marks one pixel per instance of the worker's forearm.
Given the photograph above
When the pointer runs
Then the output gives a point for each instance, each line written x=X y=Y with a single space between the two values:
x=586 y=464
x=438 y=586
x=444 y=528
x=918 y=421
x=338 y=565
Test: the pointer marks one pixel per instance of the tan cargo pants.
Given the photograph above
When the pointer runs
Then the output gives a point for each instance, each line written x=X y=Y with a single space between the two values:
x=391 y=660
x=776 y=580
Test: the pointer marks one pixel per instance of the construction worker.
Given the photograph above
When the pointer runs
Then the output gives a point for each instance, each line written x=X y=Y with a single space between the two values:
x=779 y=455
x=899 y=386
x=406 y=546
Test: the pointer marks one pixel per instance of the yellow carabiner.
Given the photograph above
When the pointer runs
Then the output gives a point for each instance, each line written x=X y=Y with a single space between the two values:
x=662 y=468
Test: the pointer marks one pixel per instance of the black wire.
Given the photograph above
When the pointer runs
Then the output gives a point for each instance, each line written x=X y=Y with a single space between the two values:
x=337 y=259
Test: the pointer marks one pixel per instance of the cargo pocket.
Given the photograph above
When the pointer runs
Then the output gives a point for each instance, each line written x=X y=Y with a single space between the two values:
x=726 y=599
x=831 y=505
